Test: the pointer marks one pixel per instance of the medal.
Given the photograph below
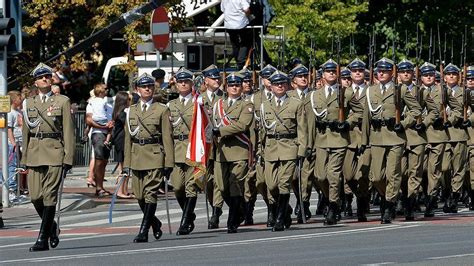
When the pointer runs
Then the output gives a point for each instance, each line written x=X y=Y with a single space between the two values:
x=48 y=113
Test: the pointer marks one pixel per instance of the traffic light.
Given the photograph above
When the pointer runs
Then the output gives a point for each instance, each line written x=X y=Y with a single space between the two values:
x=6 y=24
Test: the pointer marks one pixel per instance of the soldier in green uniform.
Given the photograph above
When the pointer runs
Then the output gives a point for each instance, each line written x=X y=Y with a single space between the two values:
x=257 y=99
x=469 y=124
x=437 y=133
x=232 y=119
x=185 y=188
x=386 y=135
x=412 y=160
x=285 y=142
x=212 y=82
x=356 y=162
x=48 y=141
x=299 y=76
x=455 y=154
x=330 y=135
x=149 y=153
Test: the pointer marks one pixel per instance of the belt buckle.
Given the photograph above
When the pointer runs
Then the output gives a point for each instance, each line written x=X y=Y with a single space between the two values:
x=181 y=137
x=277 y=136
x=39 y=135
x=141 y=142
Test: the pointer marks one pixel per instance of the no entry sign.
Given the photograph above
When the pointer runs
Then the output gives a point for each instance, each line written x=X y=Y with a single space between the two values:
x=160 y=29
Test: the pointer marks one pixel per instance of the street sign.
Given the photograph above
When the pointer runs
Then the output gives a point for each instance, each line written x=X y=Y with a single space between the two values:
x=160 y=29
x=5 y=104
x=194 y=7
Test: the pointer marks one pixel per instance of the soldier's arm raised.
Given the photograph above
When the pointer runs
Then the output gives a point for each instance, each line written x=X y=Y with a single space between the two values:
x=167 y=137
x=68 y=133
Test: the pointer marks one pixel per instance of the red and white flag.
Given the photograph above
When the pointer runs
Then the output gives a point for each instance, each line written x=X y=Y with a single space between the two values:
x=200 y=137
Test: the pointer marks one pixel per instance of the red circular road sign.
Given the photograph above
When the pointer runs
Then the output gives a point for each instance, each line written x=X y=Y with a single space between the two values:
x=160 y=29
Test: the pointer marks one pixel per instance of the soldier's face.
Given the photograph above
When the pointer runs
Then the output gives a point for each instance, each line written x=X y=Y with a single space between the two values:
x=234 y=90
x=405 y=76
x=384 y=76
x=212 y=83
x=301 y=81
x=346 y=82
x=357 y=76
x=247 y=86
x=146 y=92
x=451 y=78
x=428 y=79
x=470 y=83
x=184 y=87
x=330 y=76
x=43 y=81
x=319 y=84
x=279 y=89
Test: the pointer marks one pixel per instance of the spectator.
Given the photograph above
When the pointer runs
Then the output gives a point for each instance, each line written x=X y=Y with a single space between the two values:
x=14 y=139
x=236 y=18
x=122 y=101
x=97 y=107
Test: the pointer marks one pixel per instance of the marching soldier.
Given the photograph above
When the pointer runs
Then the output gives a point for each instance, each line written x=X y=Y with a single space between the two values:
x=385 y=132
x=232 y=118
x=329 y=134
x=149 y=153
x=284 y=127
x=185 y=188
x=48 y=141
x=299 y=76
x=265 y=94
x=455 y=154
x=212 y=82
x=356 y=162
x=412 y=160
x=469 y=124
x=346 y=80
x=437 y=133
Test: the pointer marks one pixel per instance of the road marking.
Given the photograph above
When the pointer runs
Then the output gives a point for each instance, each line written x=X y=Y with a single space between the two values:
x=62 y=240
x=211 y=245
x=452 y=256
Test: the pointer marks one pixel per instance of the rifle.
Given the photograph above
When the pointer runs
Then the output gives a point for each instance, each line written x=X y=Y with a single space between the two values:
x=407 y=50
x=372 y=56
x=341 y=90
x=430 y=49
x=467 y=92
x=397 y=93
x=310 y=67
x=444 y=94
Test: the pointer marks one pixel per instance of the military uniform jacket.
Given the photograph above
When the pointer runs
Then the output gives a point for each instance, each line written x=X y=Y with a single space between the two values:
x=208 y=106
x=355 y=134
x=53 y=116
x=457 y=132
x=382 y=107
x=470 y=130
x=229 y=147
x=437 y=133
x=326 y=110
x=256 y=99
x=154 y=122
x=290 y=118
x=181 y=119
x=429 y=113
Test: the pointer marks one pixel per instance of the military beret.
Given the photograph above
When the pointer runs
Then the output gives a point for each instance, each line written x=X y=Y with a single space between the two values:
x=234 y=78
x=246 y=74
x=211 y=72
x=158 y=73
x=384 y=64
x=345 y=73
x=267 y=71
x=450 y=68
x=299 y=70
x=470 y=72
x=278 y=77
x=144 y=79
x=42 y=70
x=427 y=68
x=356 y=64
x=184 y=74
x=405 y=65
x=329 y=65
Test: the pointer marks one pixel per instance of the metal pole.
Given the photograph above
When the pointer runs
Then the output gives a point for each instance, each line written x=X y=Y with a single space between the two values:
x=260 y=82
x=3 y=131
x=157 y=59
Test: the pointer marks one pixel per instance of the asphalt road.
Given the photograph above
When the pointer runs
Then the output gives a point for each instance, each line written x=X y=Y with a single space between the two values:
x=88 y=239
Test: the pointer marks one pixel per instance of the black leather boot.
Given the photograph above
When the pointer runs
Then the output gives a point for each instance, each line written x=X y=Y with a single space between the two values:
x=187 y=219
x=331 y=218
x=271 y=215
x=430 y=202
x=249 y=207
x=453 y=204
x=307 y=211
x=149 y=212
x=45 y=229
x=182 y=202
x=471 y=195
x=361 y=208
x=298 y=212
x=322 y=204
x=409 y=208
x=282 y=213
x=155 y=222
x=214 y=221
x=388 y=212
x=233 y=220
x=348 y=210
